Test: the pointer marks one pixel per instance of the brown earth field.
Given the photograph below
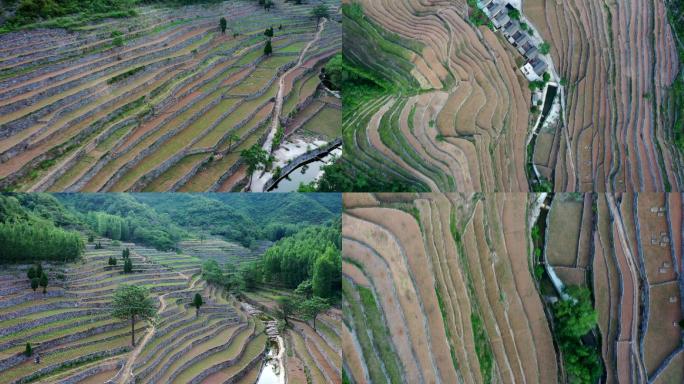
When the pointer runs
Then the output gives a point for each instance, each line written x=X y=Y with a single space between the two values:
x=448 y=288
x=458 y=113
x=160 y=101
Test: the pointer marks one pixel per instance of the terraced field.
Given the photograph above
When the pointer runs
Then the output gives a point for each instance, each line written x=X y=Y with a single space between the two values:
x=223 y=251
x=469 y=288
x=169 y=109
x=78 y=341
x=456 y=111
x=312 y=355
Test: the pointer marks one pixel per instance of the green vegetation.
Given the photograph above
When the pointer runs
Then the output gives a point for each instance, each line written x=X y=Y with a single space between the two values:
x=223 y=24
x=127 y=74
x=197 y=303
x=311 y=308
x=675 y=12
x=27 y=237
x=574 y=318
x=482 y=348
x=320 y=11
x=28 y=351
x=133 y=302
x=311 y=254
x=268 y=48
x=544 y=48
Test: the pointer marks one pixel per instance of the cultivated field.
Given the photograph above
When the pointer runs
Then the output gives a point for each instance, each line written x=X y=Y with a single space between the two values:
x=469 y=288
x=455 y=112
x=169 y=108
x=78 y=340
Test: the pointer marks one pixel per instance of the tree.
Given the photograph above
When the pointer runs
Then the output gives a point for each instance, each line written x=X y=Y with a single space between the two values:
x=327 y=274
x=268 y=48
x=305 y=288
x=125 y=253
x=224 y=24
x=44 y=282
x=34 y=283
x=514 y=14
x=98 y=245
x=268 y=4
x=91 y=238
x=310 y=309
x=202 y=237
x=28 y=351
x=268 y=32
x=31 y=273
x=197 y=303
x=320 y=11
x=133 y=302
x=233 y=137
x=128 y=266
x=255 y=157
x=286 y=307
x=112 y=261
x=544 y=48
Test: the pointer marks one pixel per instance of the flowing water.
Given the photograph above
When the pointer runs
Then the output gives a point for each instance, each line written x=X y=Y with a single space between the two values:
x=272 y=372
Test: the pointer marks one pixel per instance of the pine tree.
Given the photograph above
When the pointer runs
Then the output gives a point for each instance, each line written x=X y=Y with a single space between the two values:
x=268 y=48
x=28 y=351
x=44 y=282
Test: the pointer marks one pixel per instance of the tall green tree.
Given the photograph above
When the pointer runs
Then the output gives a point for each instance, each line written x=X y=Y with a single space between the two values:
x=197 y=303
x=327 y=274
x=311 y=308
x=35 y=282
x=286 y=307
x=255 y=157
x=132 y=302
x=128 y=266
x=320 y=11
x=44 y=282
x=224 y=24
x=268 y=48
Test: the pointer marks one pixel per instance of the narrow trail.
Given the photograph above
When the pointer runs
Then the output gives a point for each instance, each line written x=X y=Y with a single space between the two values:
x=257 y=184
x=128 y=368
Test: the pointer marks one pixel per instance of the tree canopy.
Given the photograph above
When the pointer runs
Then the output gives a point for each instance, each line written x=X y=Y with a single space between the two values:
x=132 y=302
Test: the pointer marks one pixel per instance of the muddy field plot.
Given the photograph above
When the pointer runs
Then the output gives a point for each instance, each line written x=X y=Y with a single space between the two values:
x=158 y=101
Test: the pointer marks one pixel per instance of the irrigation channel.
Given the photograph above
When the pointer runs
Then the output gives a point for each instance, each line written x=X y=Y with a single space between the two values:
x=273 y=371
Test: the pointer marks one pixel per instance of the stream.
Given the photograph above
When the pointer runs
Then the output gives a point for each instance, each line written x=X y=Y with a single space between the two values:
x=273 y=370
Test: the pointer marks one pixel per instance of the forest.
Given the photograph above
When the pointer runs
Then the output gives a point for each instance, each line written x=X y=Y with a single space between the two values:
x=160 y=221
x=27 y=237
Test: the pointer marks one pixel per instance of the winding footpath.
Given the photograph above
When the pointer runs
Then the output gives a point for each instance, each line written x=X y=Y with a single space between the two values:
x=257 y=184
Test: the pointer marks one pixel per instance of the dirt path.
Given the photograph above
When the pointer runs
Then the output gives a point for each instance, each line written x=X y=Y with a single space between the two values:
x=257 y=184
x=128 y=368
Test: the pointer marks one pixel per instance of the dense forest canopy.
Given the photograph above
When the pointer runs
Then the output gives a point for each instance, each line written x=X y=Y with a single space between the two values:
x=311 y=254
x=244 y=217
x=28 y=235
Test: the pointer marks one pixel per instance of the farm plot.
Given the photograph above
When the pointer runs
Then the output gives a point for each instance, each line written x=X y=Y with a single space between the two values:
x=432 y=275
x=77 y=339
x=605 y=150
x=464 y=125
x=422 y=287
x=148 y=113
